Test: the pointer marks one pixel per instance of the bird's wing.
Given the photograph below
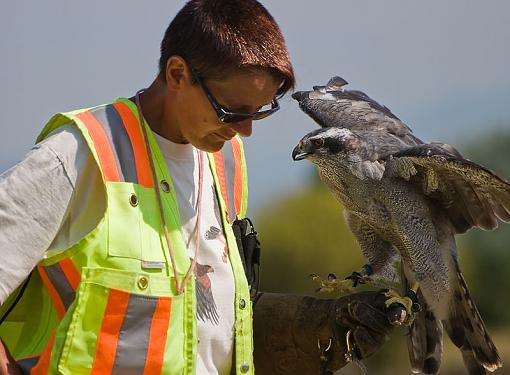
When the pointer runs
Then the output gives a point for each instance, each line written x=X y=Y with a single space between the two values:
x=333 y=106
x=472 y=196
x=372 y=148
x=334 y=84
x=206 y=305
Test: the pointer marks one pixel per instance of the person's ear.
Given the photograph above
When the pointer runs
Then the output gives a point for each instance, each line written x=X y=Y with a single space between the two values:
x=177 y=73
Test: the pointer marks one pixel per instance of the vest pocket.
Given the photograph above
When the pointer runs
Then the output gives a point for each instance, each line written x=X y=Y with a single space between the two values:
x=120 y=325
x=134 y=224
x=124 y=238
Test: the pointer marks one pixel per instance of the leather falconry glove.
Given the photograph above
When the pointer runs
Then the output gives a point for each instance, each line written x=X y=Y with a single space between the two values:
x=310 y=336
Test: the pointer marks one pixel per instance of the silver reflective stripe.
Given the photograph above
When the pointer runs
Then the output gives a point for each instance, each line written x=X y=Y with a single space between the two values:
x=112 y=124
x=133 y=340
x=59 y=281
x=230 y=168
x=27 y=364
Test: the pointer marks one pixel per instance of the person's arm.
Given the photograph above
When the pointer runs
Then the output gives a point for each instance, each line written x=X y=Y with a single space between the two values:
x=34 y=195
x=292 y=332
x=8 y=365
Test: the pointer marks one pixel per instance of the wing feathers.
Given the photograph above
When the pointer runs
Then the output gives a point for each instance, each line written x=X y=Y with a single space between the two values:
x=499 y=209
x=472 y=195
x=334 y=106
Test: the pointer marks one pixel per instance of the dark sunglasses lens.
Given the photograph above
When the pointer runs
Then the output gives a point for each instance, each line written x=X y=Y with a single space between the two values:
x=261 y=115
x=267 y=112
x=235 y=117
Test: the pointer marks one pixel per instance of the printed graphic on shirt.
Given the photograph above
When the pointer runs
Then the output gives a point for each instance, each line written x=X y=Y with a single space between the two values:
x=216 y=205
x=206 y=306
x=215 y=286
x=224 y=256
x=212 y=233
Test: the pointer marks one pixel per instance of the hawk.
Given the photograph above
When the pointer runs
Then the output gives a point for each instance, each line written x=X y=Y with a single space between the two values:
x=206 y=306
x=405 y=200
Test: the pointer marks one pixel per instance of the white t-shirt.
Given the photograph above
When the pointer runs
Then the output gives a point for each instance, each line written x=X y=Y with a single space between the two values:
x=215 y=280
x=45 y=206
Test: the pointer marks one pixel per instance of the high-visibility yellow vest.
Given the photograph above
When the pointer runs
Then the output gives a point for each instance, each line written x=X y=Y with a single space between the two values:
x=108 y=304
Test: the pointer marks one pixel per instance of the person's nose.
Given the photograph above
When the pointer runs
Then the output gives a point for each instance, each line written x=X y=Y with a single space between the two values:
x=243 y=128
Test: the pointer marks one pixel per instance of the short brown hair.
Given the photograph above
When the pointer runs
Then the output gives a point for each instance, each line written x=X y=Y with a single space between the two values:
x=219 y=37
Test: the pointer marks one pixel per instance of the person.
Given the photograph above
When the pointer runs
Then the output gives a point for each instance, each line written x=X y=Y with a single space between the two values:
x=117 y=228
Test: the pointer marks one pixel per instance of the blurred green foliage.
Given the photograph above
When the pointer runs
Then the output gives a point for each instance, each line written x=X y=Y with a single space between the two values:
x=305 y=233
x=485 y=256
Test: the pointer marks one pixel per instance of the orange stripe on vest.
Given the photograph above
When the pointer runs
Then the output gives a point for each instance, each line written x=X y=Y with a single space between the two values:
x=73 y=277
x=55 y=297
x=103 y=149
x=220 y=172
x=109 y=333
x=44 y=361
x=238 y=180
x=135 y=135
x=157 y=337
x=71 y=273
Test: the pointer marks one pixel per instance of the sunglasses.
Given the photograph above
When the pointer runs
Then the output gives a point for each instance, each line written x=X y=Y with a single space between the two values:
x=227 y=116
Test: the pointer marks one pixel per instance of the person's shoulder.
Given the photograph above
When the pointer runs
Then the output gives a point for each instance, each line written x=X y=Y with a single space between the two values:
x=69 y=146
x=65 y=140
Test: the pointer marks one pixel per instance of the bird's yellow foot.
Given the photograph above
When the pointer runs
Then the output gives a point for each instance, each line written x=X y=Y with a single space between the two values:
x=332 y=284
x=394 y=297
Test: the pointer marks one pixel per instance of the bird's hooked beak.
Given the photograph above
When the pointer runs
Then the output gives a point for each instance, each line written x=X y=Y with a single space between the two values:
x=301 y=151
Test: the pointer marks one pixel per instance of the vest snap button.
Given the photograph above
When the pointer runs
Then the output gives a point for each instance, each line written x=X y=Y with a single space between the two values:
x=242 y=303
x=143 y=282
x=245 y=367
x=133 y=200
x=165 y=186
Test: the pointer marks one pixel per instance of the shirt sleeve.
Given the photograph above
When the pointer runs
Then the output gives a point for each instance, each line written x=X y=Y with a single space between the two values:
x=34 y=197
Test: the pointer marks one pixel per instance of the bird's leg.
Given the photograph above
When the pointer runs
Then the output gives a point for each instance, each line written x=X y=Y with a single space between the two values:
x=361 y=277
x=332 y=284
x=367 y=276
x=409 y=301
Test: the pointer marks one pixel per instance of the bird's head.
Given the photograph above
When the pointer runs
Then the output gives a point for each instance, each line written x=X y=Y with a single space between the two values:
x=329 y=146
x=341 y=152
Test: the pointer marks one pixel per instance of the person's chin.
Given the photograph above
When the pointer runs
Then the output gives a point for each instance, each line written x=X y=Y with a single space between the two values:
x=217 y=146
x=212 y=146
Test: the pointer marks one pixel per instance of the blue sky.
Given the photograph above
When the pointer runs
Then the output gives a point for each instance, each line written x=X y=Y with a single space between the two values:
x=442 y=67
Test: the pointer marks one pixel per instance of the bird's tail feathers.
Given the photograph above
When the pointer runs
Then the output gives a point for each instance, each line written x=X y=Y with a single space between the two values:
x=472 y=365
x=467 y=331
x=425 y=341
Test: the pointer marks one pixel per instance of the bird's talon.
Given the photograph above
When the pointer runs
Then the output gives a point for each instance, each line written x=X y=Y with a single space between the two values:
x=333 y=285
x=416 y=307
x=354 y=275
x=358 y=278
x=406 y=302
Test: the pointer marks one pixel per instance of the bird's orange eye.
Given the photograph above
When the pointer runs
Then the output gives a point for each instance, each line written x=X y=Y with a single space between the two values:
x=317 y=142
